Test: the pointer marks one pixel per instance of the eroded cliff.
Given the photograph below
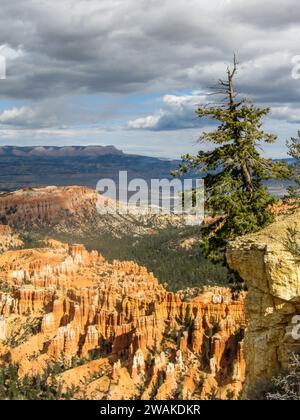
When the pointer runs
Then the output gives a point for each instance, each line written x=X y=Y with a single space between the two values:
x=273 y=280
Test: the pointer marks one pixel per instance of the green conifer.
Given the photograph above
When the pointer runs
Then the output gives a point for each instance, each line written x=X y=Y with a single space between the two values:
x=235 y=194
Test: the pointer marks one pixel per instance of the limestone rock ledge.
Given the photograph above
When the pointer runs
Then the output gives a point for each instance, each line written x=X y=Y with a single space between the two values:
x=273 y=299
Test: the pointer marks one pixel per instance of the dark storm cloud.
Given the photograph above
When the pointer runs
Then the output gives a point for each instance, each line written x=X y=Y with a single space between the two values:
x=117 y=46
x=60 y=48
x=267 y=13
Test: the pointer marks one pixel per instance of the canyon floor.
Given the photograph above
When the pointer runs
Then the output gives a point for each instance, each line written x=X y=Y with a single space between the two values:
x=99 y=327
x=79 y=320
x=114 y=330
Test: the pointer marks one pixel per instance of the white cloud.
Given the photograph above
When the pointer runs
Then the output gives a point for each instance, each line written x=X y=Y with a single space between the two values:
x=149 y=122
x=48 y=113
x=15 y=116
x=289 y=113
x=178 y=112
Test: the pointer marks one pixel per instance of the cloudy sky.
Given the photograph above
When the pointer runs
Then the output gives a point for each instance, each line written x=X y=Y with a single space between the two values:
x=131 y=72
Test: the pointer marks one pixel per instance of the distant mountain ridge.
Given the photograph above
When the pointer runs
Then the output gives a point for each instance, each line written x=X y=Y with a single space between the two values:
x=57 y=151
x=41 y=166
x=23 y=167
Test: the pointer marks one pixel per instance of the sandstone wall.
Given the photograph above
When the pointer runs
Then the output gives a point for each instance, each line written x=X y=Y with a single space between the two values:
x=50 y=204
x=273 y=281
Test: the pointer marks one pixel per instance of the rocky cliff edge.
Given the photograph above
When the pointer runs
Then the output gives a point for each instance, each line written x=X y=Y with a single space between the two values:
x=273 y=301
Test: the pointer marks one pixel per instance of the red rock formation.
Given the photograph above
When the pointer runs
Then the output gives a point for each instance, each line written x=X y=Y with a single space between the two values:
x=49 y=204
x=8 y=239
x=91 y=308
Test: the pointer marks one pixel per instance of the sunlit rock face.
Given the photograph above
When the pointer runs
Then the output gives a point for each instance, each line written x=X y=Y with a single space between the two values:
x=133 y=337
x=34 y=206
x=273 y=280
x=74 y=210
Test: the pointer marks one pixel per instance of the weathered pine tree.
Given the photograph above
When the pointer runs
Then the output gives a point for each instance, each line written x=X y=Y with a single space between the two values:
x=235 y=194
x=294 y=190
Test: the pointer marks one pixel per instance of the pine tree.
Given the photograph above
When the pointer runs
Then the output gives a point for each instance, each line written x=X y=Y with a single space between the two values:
x=235 y=194
x=293 y=195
